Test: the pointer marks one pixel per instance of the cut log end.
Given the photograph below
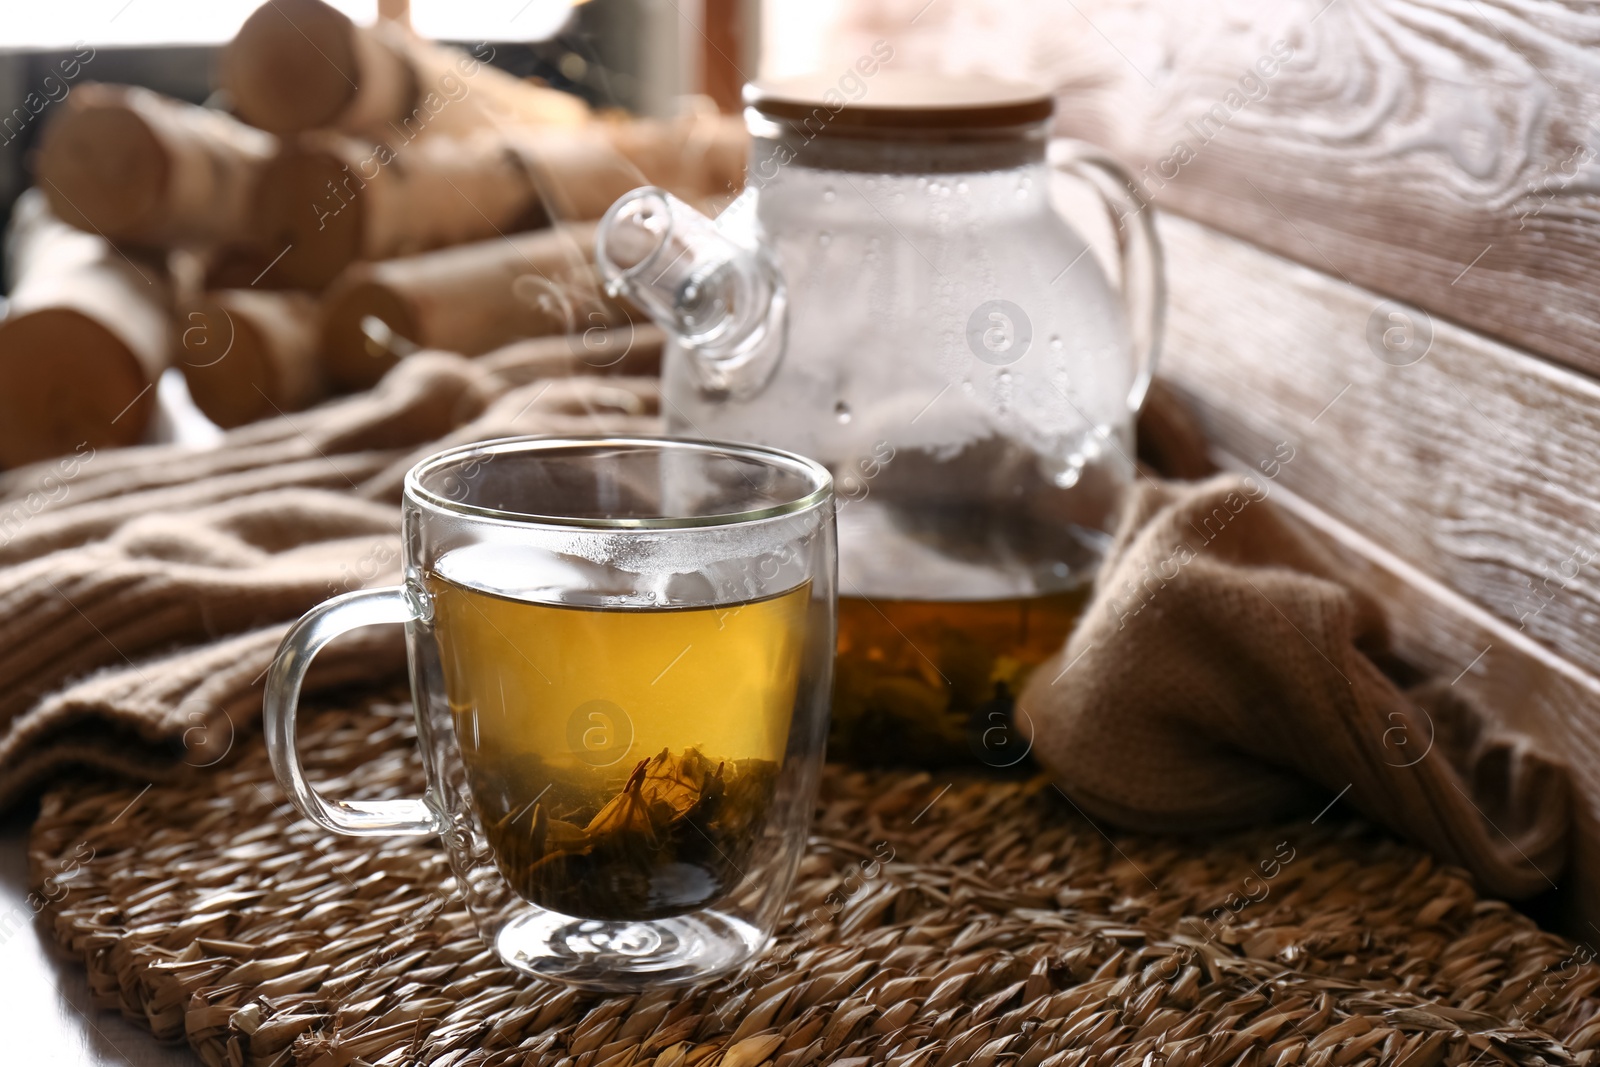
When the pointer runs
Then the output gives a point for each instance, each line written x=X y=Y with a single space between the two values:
x=249 y=355
x=133 y=166
x=68 y=381
x=292 y=66
x=224 y=362
x=104 y=171
x=86 y=338
x=357 y=350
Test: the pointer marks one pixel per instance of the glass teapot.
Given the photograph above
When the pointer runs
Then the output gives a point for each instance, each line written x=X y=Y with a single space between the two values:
x=895 y=295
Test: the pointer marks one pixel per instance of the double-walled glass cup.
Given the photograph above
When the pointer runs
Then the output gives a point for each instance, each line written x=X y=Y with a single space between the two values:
x=621 y=654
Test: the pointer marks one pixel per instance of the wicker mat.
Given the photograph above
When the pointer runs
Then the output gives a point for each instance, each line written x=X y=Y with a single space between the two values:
x=937 y=921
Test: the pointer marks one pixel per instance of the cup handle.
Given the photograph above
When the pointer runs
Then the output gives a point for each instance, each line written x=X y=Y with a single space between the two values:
x=367 y=607
x=1144 y=282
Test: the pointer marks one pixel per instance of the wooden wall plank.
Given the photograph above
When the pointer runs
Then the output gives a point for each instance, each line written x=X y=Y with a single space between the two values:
x=1443 y=152
x=1458 y=489
x=1452 y=486
x=1477 y=463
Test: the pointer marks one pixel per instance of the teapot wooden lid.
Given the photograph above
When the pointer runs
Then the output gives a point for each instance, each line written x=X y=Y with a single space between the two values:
x=853 y=103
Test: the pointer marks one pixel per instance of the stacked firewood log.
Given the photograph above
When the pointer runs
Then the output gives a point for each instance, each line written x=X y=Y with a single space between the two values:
x=369 y=195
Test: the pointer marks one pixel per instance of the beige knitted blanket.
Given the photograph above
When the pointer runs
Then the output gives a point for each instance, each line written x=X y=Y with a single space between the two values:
x=143 y=591
x=1226 y=672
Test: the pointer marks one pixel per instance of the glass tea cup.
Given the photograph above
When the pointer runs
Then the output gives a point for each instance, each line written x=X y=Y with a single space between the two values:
x=621 y=653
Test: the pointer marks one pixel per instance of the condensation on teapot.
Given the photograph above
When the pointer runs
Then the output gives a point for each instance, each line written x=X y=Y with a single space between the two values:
x=909 y=307
x=954 y=357
x=723 y=302
x=949 y=315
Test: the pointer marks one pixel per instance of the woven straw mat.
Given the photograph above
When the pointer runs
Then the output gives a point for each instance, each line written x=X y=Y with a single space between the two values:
x=937 y=920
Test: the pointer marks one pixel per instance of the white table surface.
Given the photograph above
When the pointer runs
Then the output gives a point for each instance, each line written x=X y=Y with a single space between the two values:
x=46 y=1017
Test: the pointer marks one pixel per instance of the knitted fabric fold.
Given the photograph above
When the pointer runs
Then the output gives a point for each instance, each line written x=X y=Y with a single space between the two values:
x=1226 y=673
x=144 y=591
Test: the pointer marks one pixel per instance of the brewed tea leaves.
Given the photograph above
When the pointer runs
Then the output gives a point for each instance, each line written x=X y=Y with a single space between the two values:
x=931 y=682
x=627 y=813
x=679 y=782
x=554 y=835
x=675 y=837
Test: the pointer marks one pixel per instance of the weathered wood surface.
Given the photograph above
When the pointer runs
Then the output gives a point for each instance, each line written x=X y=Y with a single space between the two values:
x=1454 y=474
x=1476 y=463
x=1445 y=152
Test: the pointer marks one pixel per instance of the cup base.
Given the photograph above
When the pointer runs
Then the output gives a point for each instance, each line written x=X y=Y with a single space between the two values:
x=626 y=957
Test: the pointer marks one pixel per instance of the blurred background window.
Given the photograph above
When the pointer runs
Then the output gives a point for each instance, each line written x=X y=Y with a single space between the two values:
x=795 y=36
x=158 y=22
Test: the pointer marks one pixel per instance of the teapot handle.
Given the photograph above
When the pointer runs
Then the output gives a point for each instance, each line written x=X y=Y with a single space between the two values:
x=1144 y=285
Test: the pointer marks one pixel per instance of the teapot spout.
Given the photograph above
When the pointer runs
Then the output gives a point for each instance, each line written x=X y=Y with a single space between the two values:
x=722 y=301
